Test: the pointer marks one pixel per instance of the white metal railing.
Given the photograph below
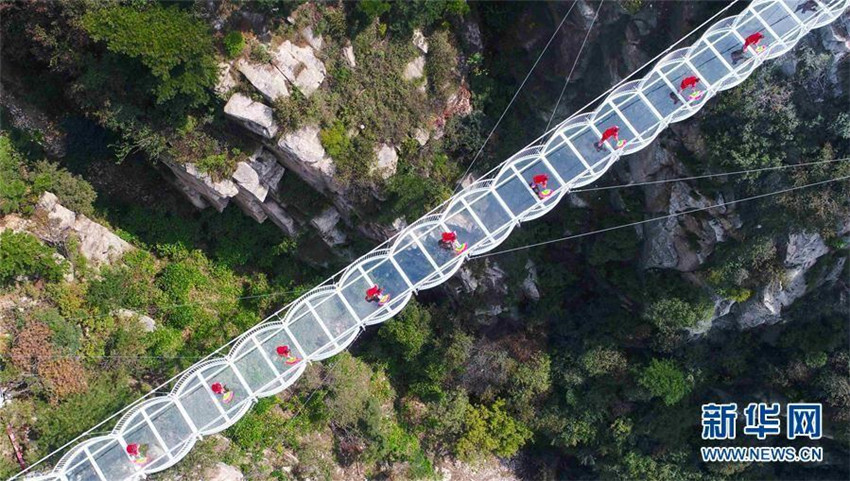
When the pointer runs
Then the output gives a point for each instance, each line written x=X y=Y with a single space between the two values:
x=484 y=213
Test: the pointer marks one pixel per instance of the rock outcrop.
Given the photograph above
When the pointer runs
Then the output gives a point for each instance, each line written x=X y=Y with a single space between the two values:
x=266 y=78
x=224 y=472
x=415 y=68
x=327 y=225
x=217 y=193
x=301 y=151
x=386 y=161
x=96 y=243
x=300 y=66
x=254 y=116
x=146 y=322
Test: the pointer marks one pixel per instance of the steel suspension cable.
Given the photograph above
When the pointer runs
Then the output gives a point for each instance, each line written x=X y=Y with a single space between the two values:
x=575 y=63
x=662 y=217
x=516 y=94
x=710 y=176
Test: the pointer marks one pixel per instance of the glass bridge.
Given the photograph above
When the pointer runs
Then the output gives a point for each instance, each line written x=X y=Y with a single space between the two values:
x=212 y=395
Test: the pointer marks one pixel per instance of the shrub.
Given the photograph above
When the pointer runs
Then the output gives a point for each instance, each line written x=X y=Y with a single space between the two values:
x=662 y=378
x=234 y=43
x=441 y=64
x=491 y=430
x=72 y=191
x=600 y=361
x=13 y=189
x=374 y=8
x=672 y=313
x=260 y=53
x=21 y=254
x=335 y=141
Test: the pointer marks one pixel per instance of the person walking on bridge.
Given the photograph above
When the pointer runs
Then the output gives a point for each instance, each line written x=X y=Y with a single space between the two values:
x=376 y=294
x=538 y=185
x=752 y=40
x=138 y=453
x=448 y=240
x=220 y=389
x=689 y=82
x=610 y=133
x=286 y=354
x=807 y=6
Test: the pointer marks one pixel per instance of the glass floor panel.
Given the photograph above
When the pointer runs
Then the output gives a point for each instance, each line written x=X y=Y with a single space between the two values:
x=142 y=435
x=336 y=316
x=309 y=333
x=658 y=93
x=466 y=227
x=607 y=118
x=414 y=263
x=779 y=20
x=491 y=212
x=566 y=162
x=199 y=405
x=430 y=240
x=172 y=427
x=226 y=376
x=711 y=67
x=113 y=461
x=584 y=142
x=254 y=368
x=355 y=293
x=85 y=472
x=383 y=272
x=639 y=114
x=280 y=338
x=516 y=195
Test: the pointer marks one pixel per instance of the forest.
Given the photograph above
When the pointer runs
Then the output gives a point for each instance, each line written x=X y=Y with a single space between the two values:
x=583 y=359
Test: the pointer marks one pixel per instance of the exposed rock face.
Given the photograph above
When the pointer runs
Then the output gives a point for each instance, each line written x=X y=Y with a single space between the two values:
x=96 y=242
x=420 y=41
x=804 y=249
x=226 y=81
x=348 y=55
x=387 y=161
x=224 y=472
x=415 y=68
x=266 y=78
x=254 y=116
x=302 y=152
x=326 y=224
x=529 y=285
x=147 y=323
x=315 y=41
x=801 y=253
x=421 y=135
x=300 y=66
x=217 y=193
x=682 y=243
x=280 y=217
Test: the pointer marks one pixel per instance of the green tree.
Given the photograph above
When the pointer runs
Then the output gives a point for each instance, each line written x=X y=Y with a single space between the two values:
x=664 y=379
x=176 y=48
x=491 y=430
x=672 y=313
x=13 y=188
